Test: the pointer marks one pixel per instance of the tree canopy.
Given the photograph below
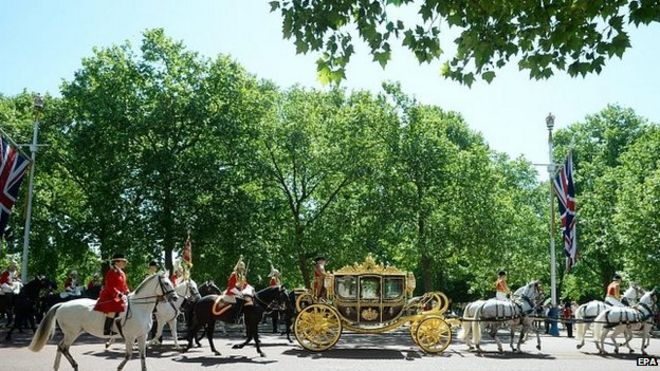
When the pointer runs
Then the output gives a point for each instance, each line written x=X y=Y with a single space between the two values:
x=542 y=37
x=147 y=144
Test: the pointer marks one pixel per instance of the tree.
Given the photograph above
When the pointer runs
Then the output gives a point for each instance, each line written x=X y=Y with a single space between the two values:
x=156 y=140
x=545 y=37
x=637 y=217
x=598 y=144
x=313 y=146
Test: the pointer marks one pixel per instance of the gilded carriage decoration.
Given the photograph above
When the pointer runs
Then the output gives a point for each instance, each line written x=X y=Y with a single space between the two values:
x=369 y=297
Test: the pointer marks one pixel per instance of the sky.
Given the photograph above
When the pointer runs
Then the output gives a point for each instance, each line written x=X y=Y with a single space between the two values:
x=42 y=44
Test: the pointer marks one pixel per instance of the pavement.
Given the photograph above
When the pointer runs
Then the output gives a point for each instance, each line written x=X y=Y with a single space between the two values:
x=356 y=352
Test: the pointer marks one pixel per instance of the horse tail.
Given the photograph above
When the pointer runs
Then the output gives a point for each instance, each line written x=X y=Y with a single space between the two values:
x=579 y=323
x=464 y=332
x=476 y=326
x=45 y=330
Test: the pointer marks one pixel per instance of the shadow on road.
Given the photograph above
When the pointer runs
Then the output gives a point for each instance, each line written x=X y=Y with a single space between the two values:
x=362 y=353
x=514 y=355
x=208 y=361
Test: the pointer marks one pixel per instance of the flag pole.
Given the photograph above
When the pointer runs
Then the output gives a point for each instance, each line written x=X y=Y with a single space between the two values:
x=16 y=145
x=554 y=330
x=38 y=107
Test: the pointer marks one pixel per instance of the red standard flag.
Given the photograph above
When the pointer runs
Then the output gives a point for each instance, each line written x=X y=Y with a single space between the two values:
x=12 y=168
x=187 y=251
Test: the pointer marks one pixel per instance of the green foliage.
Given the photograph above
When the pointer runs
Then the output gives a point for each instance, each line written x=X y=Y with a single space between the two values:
x=147 y=144
x=573 y=36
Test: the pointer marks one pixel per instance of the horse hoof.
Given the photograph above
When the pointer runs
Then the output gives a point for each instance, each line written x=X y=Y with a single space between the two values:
x=616 y=351
x=579 y=346
x=262 y=354
x=538 y=347
x=217 y=353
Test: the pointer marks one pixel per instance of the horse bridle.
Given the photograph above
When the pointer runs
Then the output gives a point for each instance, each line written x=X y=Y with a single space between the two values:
x=167 y=294
x=270 y=306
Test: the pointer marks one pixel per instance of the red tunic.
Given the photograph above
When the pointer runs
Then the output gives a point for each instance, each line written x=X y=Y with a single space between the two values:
x=319 y=276
x=613 y=290
x=91 y=285
x=274 y=281
x=173 y=280
x=68 y=284
x=115 y=284
x=501 y=286
x=4 y=278
x=234 y=282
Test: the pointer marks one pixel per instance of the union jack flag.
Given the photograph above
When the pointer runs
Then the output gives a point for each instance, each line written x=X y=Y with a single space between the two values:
x=565 y=191
x=12 y=168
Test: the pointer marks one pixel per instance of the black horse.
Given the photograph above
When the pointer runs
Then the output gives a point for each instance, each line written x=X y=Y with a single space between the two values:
x=26 y=304
x=208 y=288
x=265 y=300
x=53 y=297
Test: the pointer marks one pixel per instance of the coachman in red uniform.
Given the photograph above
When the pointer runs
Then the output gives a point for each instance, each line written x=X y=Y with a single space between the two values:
x=111 y=299
x=319 y=277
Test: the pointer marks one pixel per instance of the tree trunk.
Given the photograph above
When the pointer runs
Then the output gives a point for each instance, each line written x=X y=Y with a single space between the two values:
x=168 y=226
x=425 y=261
x=303 y=264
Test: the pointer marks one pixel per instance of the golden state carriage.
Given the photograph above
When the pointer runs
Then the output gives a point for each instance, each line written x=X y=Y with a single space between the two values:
x=372 y=298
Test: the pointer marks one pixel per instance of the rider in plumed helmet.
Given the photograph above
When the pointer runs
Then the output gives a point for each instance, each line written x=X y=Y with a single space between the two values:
x=274 y=276
x=237 y=282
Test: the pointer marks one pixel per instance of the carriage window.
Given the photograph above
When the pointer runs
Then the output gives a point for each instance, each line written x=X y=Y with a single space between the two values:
x=393 y=287
x=346 y=287
x=370 y=288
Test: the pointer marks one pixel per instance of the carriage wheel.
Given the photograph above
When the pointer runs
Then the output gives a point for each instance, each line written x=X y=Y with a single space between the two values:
x=317 y=327
x=303 y=301
x=413 y=331
x=433 y=334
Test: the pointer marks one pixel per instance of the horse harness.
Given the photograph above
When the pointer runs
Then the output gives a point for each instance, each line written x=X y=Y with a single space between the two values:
x=158 y=298
x=636 y=318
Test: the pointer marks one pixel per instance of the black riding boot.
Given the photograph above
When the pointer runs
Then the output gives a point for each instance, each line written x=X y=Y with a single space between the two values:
x=107 y=328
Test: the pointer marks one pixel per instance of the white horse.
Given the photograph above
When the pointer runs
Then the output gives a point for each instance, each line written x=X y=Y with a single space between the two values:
x=588 y=311
x=466 y=324
x=168 y=312
x=626 y=320
x=493 y=314
x=78 y=316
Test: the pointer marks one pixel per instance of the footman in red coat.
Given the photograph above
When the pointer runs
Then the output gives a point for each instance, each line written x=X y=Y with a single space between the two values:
x=111 y=299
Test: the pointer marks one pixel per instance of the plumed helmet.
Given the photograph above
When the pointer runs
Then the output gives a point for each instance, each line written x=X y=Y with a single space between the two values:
x=273 y=272
x=501 y=273
x=617 y=276
x=240 y=264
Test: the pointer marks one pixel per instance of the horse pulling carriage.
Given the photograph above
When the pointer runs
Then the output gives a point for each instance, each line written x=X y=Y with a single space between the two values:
x=372 y=298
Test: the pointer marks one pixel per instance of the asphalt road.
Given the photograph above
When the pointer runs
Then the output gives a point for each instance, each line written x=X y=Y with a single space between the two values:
x=386 y=352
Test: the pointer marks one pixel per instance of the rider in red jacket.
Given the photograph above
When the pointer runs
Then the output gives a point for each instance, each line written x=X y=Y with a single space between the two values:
x=111 y=299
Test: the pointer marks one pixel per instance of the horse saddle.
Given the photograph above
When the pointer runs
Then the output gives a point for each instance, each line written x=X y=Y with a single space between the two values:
x=230 y=310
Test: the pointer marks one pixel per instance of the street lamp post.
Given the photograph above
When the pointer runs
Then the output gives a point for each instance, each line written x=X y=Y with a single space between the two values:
x=554 y=330
x=38 y=107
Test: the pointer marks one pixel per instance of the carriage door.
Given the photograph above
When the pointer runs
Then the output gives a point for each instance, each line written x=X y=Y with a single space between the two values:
x=370 y=303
